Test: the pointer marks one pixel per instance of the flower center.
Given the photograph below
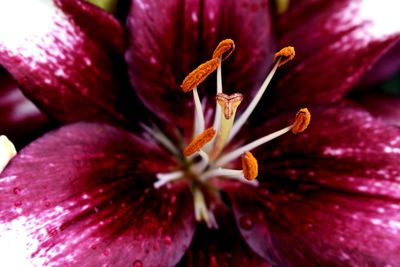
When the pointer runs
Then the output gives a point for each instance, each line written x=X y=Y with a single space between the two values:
x=204 y=157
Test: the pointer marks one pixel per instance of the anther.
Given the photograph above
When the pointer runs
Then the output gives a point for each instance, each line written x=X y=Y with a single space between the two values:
x=226 y=46
x=7 y=151
x=284 y=55
x=250 y=166
x=301 y=121
x=199 y=74
x=229 y=103
x=199 y=141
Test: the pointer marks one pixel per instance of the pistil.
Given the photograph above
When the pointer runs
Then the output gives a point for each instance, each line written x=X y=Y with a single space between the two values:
x=228 y=105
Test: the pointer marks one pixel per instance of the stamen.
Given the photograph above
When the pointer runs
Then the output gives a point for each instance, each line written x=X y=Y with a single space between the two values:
x=227 y=174
x=225 y=46
x=229 y=105
x=161 y=138
x=239 y=151
x=199 y=141
x=201 y=211
x=284 y=55
x=199 y=122
x=164 y=178
x=281 y=57
x=199 y=74
x=246 y=114
x=202 y=165
x=250 y=166
x=7 y=151
x=301 y=121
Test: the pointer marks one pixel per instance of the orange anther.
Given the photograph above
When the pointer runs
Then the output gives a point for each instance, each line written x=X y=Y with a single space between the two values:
x=250 y=166
x=199 y=74
x=284 y=55
x=226 y=46
x=199 y=141
x=301 y=121
x=229 y=103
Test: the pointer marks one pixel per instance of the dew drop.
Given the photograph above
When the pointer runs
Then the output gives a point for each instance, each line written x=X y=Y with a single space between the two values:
x=18 y=204
x=17 y=190
x=94 y=247
x=47 y=204
x=167 y=240
x=137 y=263
x=246 y=222
x=106 y=252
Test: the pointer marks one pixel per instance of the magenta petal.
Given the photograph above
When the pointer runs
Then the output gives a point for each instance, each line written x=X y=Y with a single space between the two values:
x=336 y=43
x=95 y=22
x=382 y=106
x=83 y=195
x=19 y=117
x=316 y=227
x=169 y=39
x=220 y=248
x=63 y=70
x=329 y=196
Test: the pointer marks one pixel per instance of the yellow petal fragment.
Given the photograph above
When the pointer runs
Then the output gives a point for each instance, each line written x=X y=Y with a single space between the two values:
x=7 y=151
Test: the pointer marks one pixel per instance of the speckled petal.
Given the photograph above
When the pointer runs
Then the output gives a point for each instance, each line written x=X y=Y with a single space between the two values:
x=83 y=196
x=336 y=43
x=20 y=119
x=65 y=71
x=220 y=248
x=168 y=39
x=329 y=196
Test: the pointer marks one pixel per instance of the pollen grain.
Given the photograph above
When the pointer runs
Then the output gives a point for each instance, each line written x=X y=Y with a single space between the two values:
x=199 y=74
x=301 y=121
x=284 y=55
x=199 y=141
x=250 y=166
x=226 y=46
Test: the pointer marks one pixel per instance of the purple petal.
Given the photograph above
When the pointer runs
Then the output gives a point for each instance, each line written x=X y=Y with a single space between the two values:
x=168 y=40
x=83 y=195
x=66 y=72
x=96 y=23
x=336 y=43
x=382 y=106
x=19 y=117
x=329 y=196
x=316 y=227
x=220 y=248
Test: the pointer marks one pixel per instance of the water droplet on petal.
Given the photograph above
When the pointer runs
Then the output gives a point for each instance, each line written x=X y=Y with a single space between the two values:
x=94 y=247
x=106 y=252
x=18 y=204
x=137 y=263
x=246 y=222
x=47 y=204
x=167 y=240
x=17 y=190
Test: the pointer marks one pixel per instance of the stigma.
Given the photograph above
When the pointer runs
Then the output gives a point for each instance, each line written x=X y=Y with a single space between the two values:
x=206 y=156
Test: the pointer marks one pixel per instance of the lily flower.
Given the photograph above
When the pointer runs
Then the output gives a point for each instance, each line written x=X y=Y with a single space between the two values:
x=200 y=171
